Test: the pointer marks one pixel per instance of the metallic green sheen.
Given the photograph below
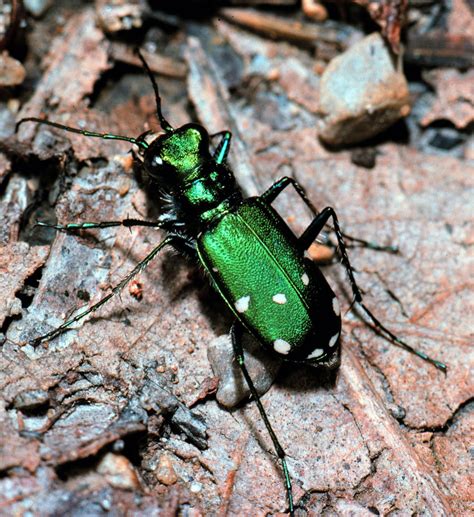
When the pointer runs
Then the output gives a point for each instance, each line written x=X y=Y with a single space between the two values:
x=183 y=150
x=251 y=252
x=181 y=164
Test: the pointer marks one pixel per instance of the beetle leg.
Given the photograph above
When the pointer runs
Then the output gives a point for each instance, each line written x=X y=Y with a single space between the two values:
x=223 y=147
x=236 y=337
x=275 y=190
x=169 y=240
x=72 y=227
x=305 y=241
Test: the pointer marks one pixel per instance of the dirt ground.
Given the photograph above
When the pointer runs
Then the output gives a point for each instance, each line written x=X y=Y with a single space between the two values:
x=119 y=415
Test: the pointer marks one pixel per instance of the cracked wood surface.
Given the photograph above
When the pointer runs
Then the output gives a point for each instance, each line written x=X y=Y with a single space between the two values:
x=387 y=433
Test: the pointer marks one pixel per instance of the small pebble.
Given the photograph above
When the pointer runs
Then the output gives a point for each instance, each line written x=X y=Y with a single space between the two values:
x=315 y=10
x=195 y=487
x=118 y=471
x=119 y=15
x=320 y=253
x=165 y=472
x=12 y=72
x=37 y=7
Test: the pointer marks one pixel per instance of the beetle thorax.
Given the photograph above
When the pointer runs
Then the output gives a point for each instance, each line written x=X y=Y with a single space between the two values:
x=181 y=164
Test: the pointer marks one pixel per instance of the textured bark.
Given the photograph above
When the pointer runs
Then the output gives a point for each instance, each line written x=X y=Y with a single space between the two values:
x=119 y=413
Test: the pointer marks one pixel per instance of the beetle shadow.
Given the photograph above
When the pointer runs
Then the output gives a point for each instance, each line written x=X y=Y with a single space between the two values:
x=181 y=278
x=210 y=302
x=297 y=377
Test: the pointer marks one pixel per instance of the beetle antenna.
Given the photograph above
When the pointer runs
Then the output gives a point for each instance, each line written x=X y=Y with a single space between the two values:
x=165 y=125
x=83 y=132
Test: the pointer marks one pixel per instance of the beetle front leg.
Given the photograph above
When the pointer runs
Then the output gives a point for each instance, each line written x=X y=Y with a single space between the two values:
x=223 y=147
x=310 y=234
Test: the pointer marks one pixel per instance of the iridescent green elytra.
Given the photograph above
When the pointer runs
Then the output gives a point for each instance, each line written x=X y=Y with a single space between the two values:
x=279 y=295
x=252 y=257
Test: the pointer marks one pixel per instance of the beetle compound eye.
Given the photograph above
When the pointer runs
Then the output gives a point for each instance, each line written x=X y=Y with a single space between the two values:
x=160 y=170
x=154 y=164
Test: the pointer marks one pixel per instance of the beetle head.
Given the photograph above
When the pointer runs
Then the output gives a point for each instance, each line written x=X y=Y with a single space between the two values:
x=175 y=157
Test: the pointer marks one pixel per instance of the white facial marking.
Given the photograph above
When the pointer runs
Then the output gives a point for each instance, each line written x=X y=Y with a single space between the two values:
x=335 y=306
x=333 y=340
x=281 y=346
x=305 y=279
x=279 y=298
x=318 y=352
x=242 y=304
x=157 y=160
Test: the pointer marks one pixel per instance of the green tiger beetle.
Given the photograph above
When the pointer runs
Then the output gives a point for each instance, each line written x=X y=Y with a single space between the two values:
x=253 y=259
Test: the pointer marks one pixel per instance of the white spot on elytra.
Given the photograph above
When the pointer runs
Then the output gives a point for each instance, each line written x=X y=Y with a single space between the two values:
x=305 y=279
x=334 y=339
x=242 y=304
x=215 y=270
x=317 y=352
x=279 y=298
x=335 y=306
x=281 y=346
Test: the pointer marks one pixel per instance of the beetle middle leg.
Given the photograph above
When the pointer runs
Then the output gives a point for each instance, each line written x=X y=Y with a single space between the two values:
x=170 y=240
x=275 y=190
x=236 y=337
x=73 y=227
x=305 y=241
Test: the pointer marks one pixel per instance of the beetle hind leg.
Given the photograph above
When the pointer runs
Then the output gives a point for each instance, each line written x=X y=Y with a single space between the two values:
x=310 y=234
x=236 y=337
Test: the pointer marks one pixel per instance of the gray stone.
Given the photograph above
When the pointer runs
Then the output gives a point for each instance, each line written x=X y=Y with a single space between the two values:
x=262 y=367
x=362 y=93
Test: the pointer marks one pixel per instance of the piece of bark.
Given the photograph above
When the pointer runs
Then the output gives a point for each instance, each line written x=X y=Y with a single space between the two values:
x=438 y=48
x=454 y=97
x=18 y=262
x=158 y=64
x=84 y=66
x=346 y=452
x=390 y=15
x=302 y=33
